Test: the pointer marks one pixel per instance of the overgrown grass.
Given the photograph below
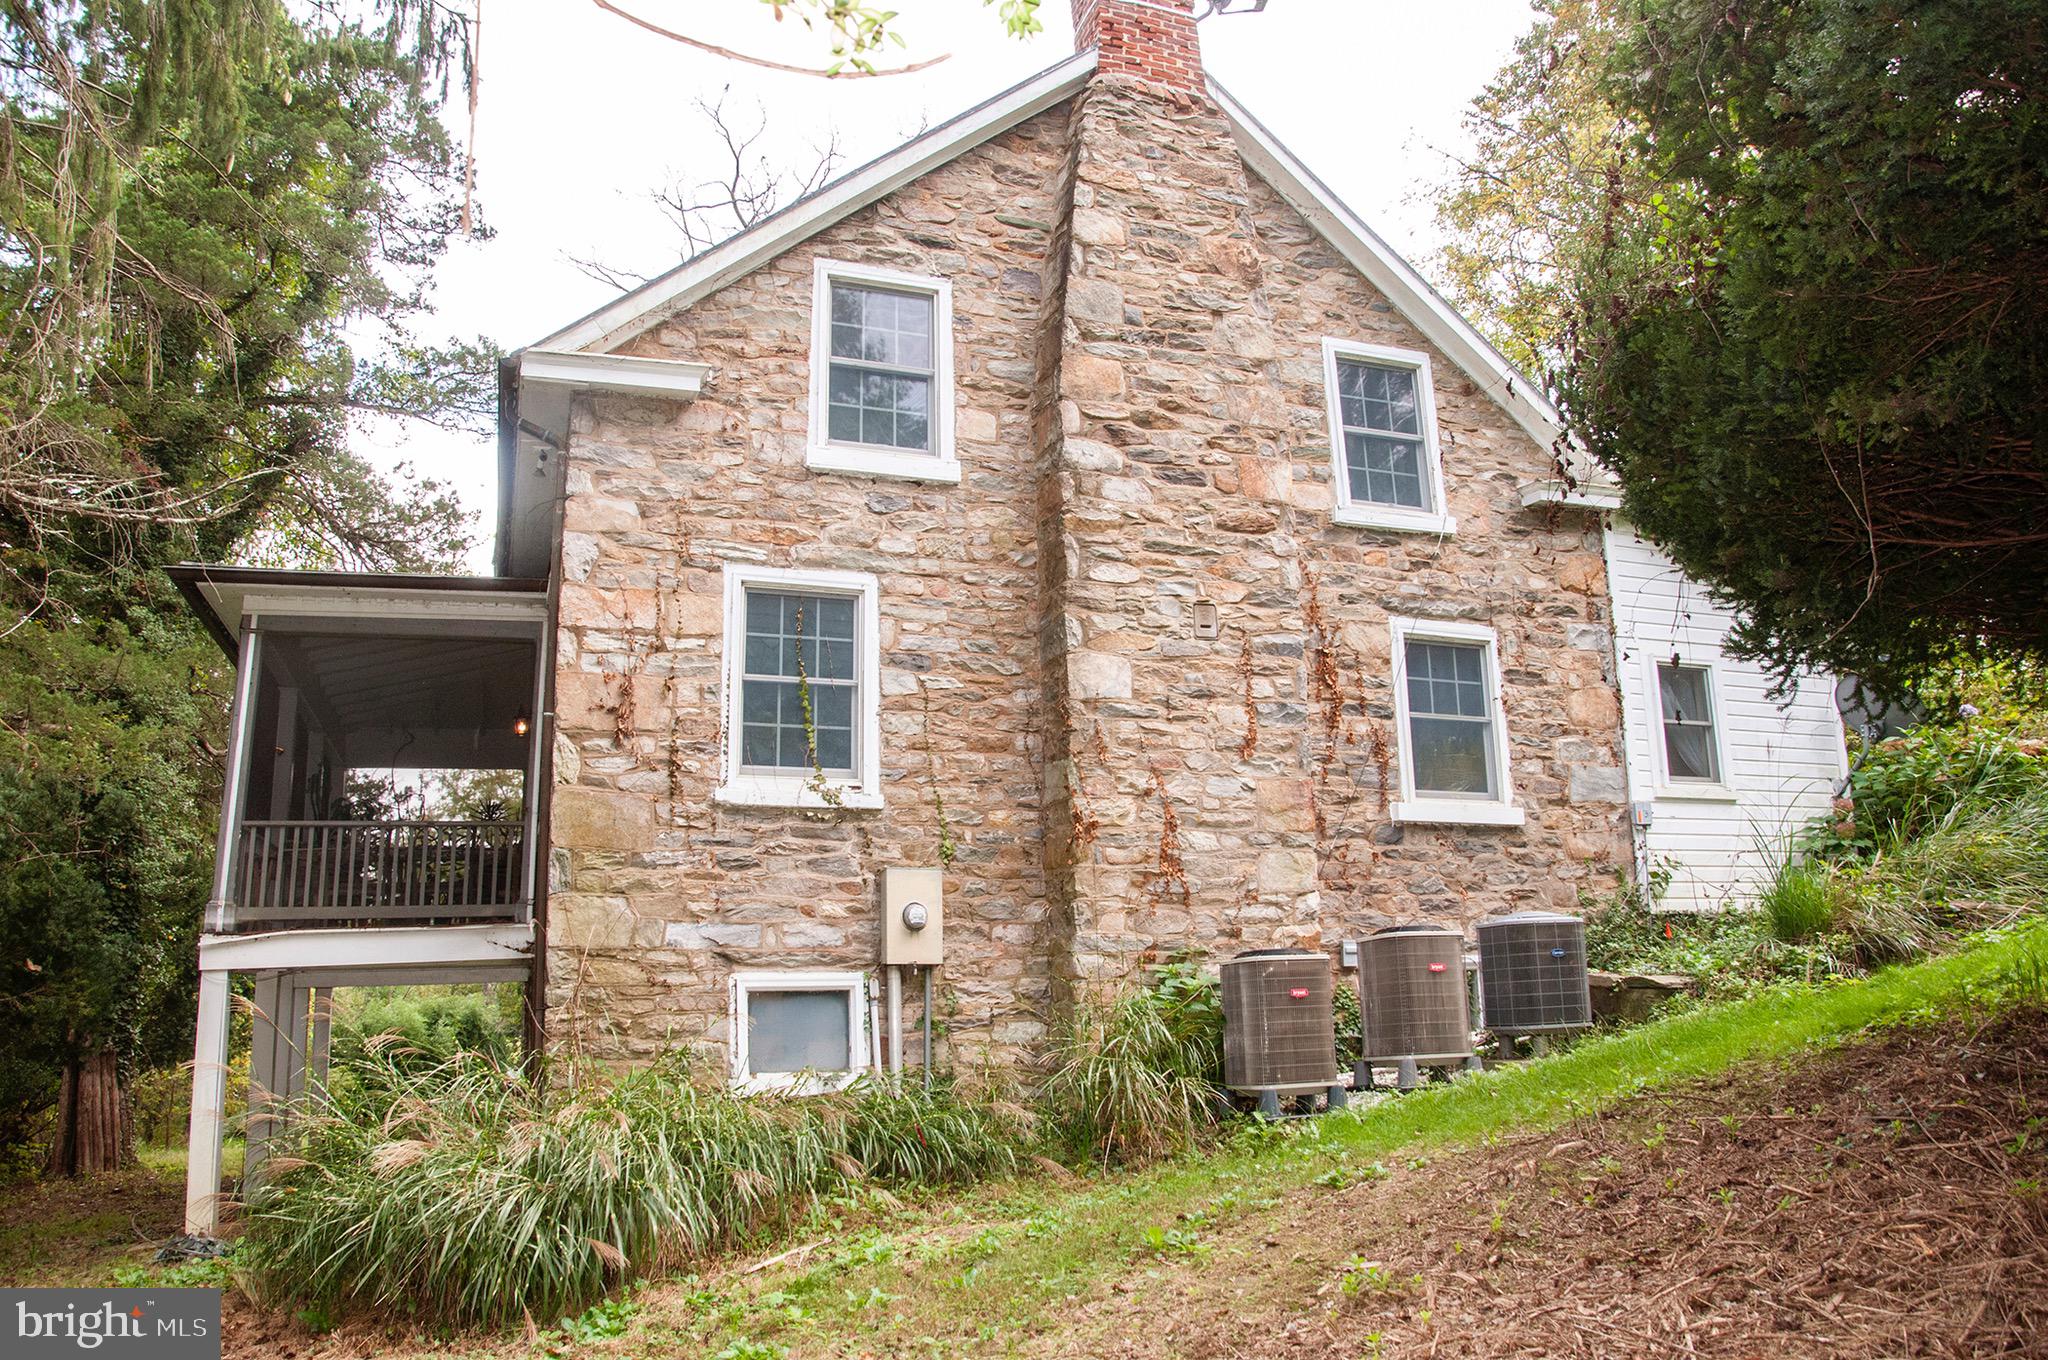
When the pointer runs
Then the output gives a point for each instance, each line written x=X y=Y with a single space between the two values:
x=1133 y=1079
x=1980 y=863
x=1035 y=1252
x=464 y=1193
x=1800 y=902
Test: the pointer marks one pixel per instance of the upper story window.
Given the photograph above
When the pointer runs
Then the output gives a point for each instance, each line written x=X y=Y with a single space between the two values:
x=1453 y=730
x=882 y=374
x=1383 y=438
x=802 y=684
x=1689 y=737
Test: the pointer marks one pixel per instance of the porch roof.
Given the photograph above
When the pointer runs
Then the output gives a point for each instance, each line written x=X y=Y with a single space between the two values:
x=220 y=595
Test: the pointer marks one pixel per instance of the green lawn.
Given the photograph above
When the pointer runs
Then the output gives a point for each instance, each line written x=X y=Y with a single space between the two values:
x=1008 y=1262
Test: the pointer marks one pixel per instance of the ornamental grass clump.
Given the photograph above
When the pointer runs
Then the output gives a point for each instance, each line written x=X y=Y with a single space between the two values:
x=1137 y=1077
x=465 y=1193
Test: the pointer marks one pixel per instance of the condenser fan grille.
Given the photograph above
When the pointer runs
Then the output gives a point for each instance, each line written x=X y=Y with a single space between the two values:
x=1532 y=973
x=1412 y=994
x=1279 y=1030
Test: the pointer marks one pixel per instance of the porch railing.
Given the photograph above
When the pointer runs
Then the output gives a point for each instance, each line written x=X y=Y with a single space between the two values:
x=339 y=873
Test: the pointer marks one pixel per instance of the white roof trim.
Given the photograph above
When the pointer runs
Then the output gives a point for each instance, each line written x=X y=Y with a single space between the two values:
x=1585 y=496
x=1383 y=266
x=620 y=319
x=613 y=373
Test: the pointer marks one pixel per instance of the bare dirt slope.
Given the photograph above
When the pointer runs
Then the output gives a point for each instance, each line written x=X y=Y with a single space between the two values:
x=1881 y=1200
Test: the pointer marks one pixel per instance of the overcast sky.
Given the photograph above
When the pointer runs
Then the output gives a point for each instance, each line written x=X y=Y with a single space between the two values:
x=581 y=114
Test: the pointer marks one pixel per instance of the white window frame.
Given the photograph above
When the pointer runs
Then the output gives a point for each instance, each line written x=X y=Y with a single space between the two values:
x=942 y=463
x=798 y=788
x=1671 y=786
x=861 y=1057
x=1414 y=806
x=1371 y=514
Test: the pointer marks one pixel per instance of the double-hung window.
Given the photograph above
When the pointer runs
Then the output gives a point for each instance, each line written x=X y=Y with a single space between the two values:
x=799 y=1031
x=1383 y=438
x=801 y=684
x=1453 y=733
x=1689 y=741
x=881 y=374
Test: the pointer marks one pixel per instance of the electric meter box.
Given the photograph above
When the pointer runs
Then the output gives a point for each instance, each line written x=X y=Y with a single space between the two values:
x=913 y=917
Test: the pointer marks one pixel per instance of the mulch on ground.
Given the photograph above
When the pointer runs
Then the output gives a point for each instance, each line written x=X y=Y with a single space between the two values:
x=1885 y=1199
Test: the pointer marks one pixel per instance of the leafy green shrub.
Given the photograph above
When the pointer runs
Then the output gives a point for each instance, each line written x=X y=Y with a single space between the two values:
x=1136 y=1078
x=1350 y=1023
x=1910 y=785
x=466 y=1193
x=425 y=1026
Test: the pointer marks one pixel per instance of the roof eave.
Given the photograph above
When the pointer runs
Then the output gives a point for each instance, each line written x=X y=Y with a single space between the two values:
x=623 y=317
x=1386 y=270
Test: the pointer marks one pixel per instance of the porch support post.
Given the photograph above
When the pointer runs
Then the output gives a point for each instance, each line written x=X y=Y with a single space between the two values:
x=209 y=1113
x=220 y=910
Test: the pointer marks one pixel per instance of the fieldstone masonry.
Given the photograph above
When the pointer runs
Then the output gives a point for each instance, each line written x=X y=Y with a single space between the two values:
x=1138 y=323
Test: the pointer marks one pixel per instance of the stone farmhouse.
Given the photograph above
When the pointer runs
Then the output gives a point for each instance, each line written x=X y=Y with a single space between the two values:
x=1079 y=502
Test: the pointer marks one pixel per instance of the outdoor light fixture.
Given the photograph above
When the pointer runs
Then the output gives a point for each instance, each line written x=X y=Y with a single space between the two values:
x=520 y=726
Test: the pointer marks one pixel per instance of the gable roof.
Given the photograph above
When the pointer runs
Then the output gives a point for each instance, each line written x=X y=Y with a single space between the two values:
x=700 y=275
x=1360 y=245
x=1411 y=295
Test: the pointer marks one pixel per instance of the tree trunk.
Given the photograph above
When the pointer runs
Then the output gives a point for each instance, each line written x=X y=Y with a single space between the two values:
x=92 y=1126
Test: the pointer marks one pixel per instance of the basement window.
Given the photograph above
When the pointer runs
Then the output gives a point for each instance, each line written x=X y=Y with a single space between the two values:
x=1453 y=729
x=799 y=1032
x=881 y=374
x=1383 y=438
x=802 y=680
x=1689 y=755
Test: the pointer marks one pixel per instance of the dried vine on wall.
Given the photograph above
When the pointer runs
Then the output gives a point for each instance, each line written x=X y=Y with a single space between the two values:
x=1173 y=874
x=1247 y=748
x=947 y=848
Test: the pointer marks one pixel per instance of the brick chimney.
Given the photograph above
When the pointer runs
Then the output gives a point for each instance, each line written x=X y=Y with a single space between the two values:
x=1153 y=40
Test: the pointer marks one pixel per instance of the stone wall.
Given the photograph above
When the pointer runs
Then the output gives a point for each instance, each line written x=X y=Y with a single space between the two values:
x=658 y=892
x=1142 y=426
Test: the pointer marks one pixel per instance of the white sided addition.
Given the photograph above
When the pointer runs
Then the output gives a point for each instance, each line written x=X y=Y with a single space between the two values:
x=1728 y=773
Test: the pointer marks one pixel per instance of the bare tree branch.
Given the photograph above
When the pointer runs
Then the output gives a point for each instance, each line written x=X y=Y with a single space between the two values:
x=835 y=73
x=746 y=187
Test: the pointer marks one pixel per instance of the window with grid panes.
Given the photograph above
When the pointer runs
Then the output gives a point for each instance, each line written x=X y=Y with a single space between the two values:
x=1450 y=720
x=882 y=369
x=1380 y=413
x=797 y=642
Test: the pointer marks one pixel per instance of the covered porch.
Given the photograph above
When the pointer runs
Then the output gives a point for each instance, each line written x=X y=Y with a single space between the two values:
x=380 y=812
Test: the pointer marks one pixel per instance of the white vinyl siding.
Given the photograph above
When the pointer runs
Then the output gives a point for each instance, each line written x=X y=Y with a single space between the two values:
x=1775 y=765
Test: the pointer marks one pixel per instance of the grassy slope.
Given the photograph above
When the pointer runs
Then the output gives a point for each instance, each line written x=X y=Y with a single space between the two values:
x=1028 y=1253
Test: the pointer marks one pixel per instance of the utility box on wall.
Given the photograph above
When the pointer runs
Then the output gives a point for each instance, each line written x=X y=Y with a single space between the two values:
x=913 y=917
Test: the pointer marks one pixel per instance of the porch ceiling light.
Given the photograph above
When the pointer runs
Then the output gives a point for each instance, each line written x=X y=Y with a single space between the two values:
x=521 y=725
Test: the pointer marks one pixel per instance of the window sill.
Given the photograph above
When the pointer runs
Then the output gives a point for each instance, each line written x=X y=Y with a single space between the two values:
x=1696 y=793
x=794 y=793
x=795 y=1083
x=902 y=467
x=1357 y=516
x=1456 y=812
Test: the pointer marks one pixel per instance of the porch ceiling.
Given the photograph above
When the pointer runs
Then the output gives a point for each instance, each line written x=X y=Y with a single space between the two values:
x=446 y=702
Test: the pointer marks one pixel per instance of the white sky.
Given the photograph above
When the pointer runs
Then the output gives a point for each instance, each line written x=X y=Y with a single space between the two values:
x=581 y=113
